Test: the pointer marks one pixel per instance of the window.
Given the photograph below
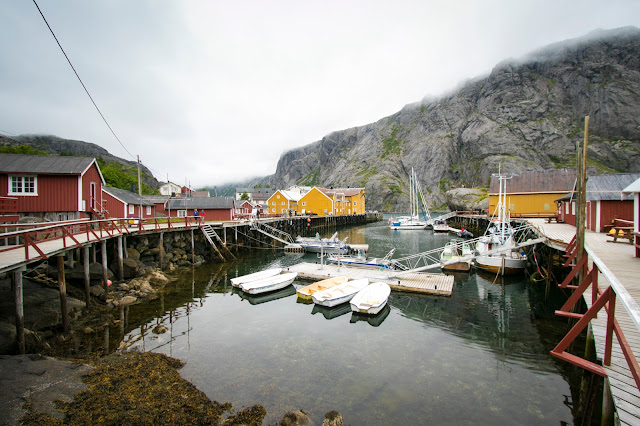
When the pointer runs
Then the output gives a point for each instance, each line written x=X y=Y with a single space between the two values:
x=566 y=208
x=273 y=210
x=355 y=203
x=547 y=206
x=273 y=203
x=132 y=209
x=23 y=185
x=148 y=210
x=573 y=208
x=512 y=206
x=284 y=203
x=182 y=213
x=304 y=203
x=326 y=211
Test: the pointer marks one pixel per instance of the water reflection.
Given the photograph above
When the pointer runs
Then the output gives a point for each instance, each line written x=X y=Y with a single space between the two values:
x=477 y=357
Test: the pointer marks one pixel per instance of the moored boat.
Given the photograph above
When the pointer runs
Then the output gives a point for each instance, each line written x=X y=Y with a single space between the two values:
x=371 y=299
x=273 y=283
x=362 y=261
x=440 y=225
x=497 y=250
x=456 y=256
x=417 y=205
x=308 y=291
x=237 y=281
x=339 y=294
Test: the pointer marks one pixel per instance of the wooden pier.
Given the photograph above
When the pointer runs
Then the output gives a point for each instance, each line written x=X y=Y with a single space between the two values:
x=417 y=282
x=619 y=259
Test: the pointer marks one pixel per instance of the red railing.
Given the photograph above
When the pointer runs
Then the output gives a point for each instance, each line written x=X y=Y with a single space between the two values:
x=599 y=299
x=8 y=209
x=31 y=238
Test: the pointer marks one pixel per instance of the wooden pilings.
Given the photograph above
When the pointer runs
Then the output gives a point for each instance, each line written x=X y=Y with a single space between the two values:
x=87 y=278
x=62 y=287
x=16 y=276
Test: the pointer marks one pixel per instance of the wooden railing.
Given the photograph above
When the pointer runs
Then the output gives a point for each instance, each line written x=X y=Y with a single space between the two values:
x=34 y=234
x=601 y=297
x=8 y=209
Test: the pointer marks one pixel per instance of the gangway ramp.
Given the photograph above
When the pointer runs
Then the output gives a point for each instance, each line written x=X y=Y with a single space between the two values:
x=272 y=232
x=431 y=259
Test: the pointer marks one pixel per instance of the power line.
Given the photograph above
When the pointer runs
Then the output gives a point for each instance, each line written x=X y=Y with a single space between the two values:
x=79 y=79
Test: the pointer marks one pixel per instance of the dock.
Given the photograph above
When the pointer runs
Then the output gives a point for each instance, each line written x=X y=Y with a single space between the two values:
x=415 y=282
x=619 y=258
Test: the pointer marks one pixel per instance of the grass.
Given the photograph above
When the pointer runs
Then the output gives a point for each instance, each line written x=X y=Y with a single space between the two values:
x=311 y=179
x=392 y=144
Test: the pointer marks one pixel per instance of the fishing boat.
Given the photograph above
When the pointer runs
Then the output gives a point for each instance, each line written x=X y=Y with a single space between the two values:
x=237 y=281
x=417 y=206
x=307 y=292
x=456 y=256
x=371 y=299
x=360 y=260
x=339 y=294
x=497 y=251
x=273 y=283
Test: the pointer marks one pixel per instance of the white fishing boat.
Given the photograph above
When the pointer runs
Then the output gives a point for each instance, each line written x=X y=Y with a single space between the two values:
x=360 y=260
x=456 y=256
x=339 y=294
x=255 y=276
x=371 y=299
x=419 y=217
x=497 y=250
x=273 y=283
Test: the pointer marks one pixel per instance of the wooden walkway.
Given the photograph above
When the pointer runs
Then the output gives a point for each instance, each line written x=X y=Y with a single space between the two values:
x=417 y=282
x=619 y=258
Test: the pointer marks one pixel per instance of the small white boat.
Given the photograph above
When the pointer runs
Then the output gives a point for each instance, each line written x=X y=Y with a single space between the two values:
x=273 y=283
x=305 y=293
x=456 y=256
x=339 y=294
x=371 y=299
x=440 y=225
x=255 y=276
x=362 y=261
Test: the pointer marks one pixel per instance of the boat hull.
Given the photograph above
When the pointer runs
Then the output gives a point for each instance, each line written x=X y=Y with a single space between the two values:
x=305 y=293
x=501 y=265
x=371 y=299
x=463 y=266
x=339 y=294
x=269 y=284
x=238 y=281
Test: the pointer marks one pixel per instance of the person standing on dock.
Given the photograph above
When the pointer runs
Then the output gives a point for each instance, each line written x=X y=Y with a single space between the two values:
x=202 y=216
x=195 y=216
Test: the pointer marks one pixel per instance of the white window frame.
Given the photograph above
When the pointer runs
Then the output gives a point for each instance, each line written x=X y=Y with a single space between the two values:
x=148 y=210
x=182 y=213
x=132 y=209
x=21 y=179
x=355 y=203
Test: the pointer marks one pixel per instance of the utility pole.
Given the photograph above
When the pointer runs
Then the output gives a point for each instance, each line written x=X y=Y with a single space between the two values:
x=581 y=197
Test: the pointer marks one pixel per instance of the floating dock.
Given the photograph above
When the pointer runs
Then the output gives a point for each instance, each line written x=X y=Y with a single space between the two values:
x=416 y=282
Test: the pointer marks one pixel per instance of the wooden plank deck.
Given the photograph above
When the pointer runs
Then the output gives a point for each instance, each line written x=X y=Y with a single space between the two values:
x=418 y=282
x=619 y=258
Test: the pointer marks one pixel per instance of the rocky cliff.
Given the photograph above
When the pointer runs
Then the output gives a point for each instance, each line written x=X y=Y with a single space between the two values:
x=526 y=115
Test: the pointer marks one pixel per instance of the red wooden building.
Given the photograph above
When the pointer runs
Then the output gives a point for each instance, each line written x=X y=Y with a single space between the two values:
x=605 y=201
x=215 y=208
x=634 y=191
x=121 y=203
x=52 y=187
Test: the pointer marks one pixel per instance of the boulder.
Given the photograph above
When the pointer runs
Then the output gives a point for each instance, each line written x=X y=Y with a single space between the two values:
x=467 y=199
x=96 y=291
x=127 y=300
x=333 y=418
x=132 y=268
x=295 y=418
x=133 y=253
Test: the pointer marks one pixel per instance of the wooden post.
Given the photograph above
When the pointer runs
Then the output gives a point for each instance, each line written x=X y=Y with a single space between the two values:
x=124 y=246
x=581 y=197
x=19 y=299
x=87 y=278
x=105 y=273
x=120 y=262
x=70 y=258
x=161 y=250
x=62 y=287
x=93 y=253
x=193 y=252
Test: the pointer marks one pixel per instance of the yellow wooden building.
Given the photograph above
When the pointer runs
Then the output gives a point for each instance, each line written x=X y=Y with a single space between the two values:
x=332 y=201
x=532 y=194
x=284 y=201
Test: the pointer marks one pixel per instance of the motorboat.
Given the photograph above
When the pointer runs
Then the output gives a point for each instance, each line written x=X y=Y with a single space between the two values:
x=339 y=294
x=360 y=260
x=323 y=245
x=440 y=225
x=237 y=281
x=307 y=292
x=273 y=283
x=371 y=299
x=456 y=256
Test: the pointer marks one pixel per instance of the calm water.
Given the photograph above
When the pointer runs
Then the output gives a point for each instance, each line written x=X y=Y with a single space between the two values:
x=478 y=357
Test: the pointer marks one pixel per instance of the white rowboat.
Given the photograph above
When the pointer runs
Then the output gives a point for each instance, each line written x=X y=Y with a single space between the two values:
x=371 y=299
x=341 y=293
x=255 y=276
x=273 y=283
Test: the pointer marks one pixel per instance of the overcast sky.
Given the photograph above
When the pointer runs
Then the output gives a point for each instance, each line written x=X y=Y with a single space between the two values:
x=209 y=92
